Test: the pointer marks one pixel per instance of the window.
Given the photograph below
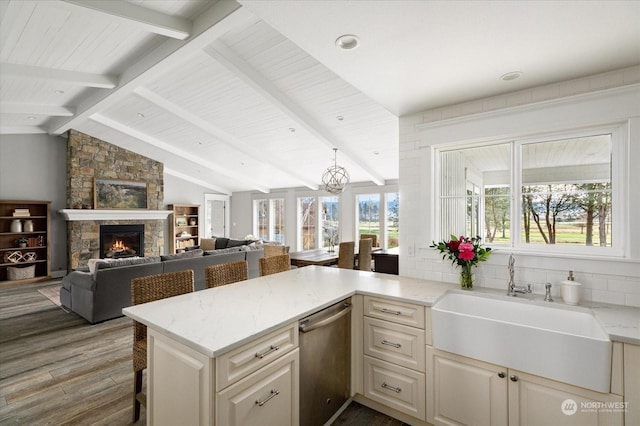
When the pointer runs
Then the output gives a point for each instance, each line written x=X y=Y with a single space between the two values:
x=268 y=220
x=330 y=220
x=368 y=208
x=392 y=219
x=307 y=220
x=543 y=194
x=318 y=229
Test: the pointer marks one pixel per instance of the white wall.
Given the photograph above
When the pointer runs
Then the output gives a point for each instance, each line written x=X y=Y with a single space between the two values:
x=577 y=104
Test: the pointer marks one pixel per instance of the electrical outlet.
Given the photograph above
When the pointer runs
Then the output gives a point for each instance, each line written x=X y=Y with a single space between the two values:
x=411 y=250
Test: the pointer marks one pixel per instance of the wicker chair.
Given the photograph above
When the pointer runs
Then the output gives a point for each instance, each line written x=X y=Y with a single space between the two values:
x=373 y=237
x=143 y=290
x=274 y=264
x=271 y=250
x=364 y=254
x=226 y=273
x=346 y=254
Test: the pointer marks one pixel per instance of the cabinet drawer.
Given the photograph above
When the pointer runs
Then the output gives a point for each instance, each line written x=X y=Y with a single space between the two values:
x=400 y=344
x=246 y=359
x=266 y=397
x=394 y=386
x=399 y=312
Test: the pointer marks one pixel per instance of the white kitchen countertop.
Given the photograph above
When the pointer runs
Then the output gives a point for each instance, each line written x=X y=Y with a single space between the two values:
x=217 y=320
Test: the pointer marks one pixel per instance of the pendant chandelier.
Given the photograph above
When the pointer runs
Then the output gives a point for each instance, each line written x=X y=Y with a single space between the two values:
x=335 y=178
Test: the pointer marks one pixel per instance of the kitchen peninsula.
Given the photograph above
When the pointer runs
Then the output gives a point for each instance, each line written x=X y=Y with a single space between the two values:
x=217 y=356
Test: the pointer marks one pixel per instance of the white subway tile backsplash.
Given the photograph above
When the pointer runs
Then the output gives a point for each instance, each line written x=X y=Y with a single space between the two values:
x=632 y=300
x=608 y=297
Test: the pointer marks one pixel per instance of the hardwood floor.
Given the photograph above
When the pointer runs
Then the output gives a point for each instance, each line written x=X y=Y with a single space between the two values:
x=57 y=369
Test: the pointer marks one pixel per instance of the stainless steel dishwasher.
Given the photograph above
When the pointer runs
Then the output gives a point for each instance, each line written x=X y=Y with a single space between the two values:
x=325 y=363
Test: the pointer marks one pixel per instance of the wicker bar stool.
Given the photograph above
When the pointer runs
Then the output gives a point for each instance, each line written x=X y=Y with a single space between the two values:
x=226 y=273
x=143 y=290
x=274 y=264
x=346 y=254
x=364 y=254
x=271 y=250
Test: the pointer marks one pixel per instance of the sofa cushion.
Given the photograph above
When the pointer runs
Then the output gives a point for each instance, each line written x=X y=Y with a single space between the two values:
x=238 y=243
x=222 y=251
x=221 y=243
x=127 y=261
x=208 y=243
x=183 y=255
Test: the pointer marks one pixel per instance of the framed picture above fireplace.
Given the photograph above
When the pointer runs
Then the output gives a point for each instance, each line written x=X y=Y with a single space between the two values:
x=119 y=194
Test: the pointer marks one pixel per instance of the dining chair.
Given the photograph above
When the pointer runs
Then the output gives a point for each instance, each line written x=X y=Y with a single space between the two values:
x=346 y=254
x=226 y=273
x=273 y=250
x=364 y=254
x=143 y=290
x=274 y=264
x=373 y=237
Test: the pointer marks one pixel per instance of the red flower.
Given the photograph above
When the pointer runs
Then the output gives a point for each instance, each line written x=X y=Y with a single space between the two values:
x=453 y=245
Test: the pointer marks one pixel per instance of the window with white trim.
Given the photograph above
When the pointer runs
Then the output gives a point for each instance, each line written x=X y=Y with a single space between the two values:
x=552 y=194
x=268 y=219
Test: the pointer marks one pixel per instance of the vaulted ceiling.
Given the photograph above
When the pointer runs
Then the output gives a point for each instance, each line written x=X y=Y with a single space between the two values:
x=255 y=95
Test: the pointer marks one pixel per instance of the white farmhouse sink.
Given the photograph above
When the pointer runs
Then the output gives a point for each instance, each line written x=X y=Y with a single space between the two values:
x=568 y=345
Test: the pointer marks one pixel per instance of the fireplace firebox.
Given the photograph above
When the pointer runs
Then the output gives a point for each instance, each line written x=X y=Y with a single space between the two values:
x=118 y=241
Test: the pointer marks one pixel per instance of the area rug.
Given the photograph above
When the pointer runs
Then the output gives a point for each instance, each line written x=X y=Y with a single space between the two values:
x=53 y=293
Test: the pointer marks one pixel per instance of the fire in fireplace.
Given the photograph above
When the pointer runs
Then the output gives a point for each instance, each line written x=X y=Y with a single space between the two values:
x=118 y=241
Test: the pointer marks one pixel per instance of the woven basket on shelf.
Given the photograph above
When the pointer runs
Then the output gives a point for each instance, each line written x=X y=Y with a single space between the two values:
x=15 y=273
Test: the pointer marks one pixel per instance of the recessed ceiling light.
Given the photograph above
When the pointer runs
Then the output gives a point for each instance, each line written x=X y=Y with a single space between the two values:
x=347 y=42
x=376 y=152
x=59 y=92
x=339 y=118
x=141 y=115
x=31 y=117
x=511 y=75
x=292 y=130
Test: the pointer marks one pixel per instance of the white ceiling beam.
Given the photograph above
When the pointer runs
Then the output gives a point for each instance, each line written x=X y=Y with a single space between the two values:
x=74 y=78
x=218 y=133
x=35 y=109
x=211 y=24
x=142 y=17
x=21 y=130
x=176 y=152
x=241 y=69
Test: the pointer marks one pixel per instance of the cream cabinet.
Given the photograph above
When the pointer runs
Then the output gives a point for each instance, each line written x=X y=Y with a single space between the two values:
x=632 y=383
x=394 y=355
x=266 y=397
x=257 y=383
x=465 y=391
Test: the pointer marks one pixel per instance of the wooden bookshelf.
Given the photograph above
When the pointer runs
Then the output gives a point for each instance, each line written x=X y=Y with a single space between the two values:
x=35 y=228
x=185 y=225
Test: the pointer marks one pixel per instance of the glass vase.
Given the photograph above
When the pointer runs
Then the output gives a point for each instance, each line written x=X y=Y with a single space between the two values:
x=466 y=277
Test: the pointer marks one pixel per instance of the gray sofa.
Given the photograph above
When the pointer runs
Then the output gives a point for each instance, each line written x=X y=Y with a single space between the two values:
x=100 y=295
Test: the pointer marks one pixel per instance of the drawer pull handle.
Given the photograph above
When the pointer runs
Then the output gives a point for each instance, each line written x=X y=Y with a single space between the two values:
x=395 y=345
x=271 y=349
x=386 y=386
x=388 y=311
x=273 y=393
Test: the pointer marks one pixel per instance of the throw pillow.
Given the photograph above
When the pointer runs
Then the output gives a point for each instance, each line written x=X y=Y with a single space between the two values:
x=221 y=243
x=208 y=243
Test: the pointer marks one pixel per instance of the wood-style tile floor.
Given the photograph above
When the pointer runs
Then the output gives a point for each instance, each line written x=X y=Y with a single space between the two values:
x=57 y=369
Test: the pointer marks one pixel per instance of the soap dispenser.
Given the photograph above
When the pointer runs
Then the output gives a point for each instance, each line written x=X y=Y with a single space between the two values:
x=570 y=290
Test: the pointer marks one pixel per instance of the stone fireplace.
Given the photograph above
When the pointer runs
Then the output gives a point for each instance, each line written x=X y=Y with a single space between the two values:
x=118 y=241
x=88 y=159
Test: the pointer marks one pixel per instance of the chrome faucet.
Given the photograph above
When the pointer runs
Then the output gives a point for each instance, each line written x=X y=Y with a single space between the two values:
x=513 y=289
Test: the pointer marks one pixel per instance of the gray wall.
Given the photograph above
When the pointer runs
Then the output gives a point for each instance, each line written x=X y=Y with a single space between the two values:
x=33 y=167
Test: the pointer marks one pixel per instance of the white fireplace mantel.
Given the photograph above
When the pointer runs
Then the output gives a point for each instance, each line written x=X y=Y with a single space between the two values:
x=87 y=214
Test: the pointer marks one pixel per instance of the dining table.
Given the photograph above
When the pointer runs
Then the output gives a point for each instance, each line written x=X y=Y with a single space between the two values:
x=319 y=257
